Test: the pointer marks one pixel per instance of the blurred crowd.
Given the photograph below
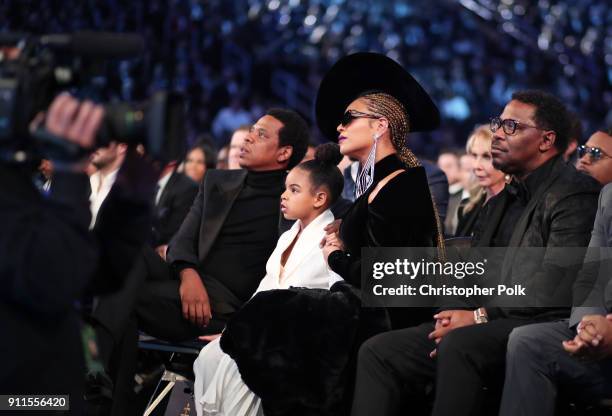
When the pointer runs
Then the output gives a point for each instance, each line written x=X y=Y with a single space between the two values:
x=226 y=56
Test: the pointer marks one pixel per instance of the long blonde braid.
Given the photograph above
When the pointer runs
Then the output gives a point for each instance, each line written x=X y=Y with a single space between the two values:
x=389 y=107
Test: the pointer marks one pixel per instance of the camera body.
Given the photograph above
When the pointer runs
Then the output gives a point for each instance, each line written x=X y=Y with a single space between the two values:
x=34 y=69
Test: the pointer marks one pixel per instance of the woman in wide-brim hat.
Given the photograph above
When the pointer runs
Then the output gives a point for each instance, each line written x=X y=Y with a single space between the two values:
x=369 y=103
x=296 y=348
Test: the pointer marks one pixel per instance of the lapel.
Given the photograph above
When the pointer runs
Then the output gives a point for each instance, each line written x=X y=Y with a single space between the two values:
x=524 y=222
x=525 y=219
x=283 y=242
x=309 y=240
x=222 y=193
x=167 y=190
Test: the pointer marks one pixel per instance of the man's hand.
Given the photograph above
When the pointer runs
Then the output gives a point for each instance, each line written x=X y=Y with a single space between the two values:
x=74 y=121
x=446 y=321
x=594 y=338
x=194 y=298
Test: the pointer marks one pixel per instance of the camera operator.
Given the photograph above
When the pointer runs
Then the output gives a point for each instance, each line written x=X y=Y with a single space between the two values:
x=49 y=258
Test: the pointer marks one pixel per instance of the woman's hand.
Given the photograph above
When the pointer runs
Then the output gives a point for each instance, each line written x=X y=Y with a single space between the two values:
x=332 y=243
x=331 y=228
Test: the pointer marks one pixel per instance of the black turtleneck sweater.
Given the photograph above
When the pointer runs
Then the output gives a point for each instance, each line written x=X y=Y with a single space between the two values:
x=248 y=236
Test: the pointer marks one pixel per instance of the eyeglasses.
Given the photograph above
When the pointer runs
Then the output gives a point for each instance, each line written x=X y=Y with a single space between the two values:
x=351 y=115
x=595 y=152
x=508 y=125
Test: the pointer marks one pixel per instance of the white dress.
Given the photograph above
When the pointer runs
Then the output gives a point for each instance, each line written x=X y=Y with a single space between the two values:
x=218 y=388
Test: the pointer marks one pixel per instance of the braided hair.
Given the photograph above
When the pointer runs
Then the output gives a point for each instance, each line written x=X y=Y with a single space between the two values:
x=387 y=106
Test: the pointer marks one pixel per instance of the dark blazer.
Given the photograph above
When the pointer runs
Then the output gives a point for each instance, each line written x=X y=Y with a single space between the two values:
x=195 y=237
x=560 y=213
x=467 y=220
x=172 y=208
x=452 y=220
x=594 y=280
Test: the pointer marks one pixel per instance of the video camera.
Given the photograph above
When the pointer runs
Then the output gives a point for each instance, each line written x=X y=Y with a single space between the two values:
x=34 y=69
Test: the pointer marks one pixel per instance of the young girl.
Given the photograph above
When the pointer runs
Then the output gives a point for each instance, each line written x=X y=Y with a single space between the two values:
x=311 y=188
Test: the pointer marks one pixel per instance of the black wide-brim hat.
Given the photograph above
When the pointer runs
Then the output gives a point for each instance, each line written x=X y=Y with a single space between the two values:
x=355 y=74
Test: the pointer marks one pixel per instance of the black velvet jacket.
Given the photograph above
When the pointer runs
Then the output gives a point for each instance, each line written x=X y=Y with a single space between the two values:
x=560 y=213
x=401 y=215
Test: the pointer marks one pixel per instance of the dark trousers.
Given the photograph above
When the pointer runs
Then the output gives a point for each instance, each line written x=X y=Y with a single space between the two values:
x=150 y=296
x=149 y=301
x=395 y=372
x=538 y=366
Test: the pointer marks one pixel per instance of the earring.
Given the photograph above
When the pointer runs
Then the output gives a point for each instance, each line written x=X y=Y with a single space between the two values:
x=366 y=176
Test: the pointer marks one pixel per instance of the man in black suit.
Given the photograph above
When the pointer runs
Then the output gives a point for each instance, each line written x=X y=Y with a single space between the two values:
x=218 y=256
x=549 y=205
x=544 y=358
x=220 y=250
x=173 y=198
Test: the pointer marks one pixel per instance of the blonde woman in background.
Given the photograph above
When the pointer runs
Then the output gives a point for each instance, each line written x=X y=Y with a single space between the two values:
x=489 y=181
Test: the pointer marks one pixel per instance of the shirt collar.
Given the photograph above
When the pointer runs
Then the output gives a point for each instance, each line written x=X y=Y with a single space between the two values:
x=525 y=189
x=164 y=180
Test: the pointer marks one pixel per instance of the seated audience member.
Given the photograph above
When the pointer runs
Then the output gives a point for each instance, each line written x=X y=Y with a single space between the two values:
x=575 y=138
x=340 y=205
x=172 y=199
x=201 y=157
x=310 y=152
x=174 y=196
x=448 y=161
x=222 y=157
x=236 y=142
x=306 y=364
x=548 y=204
x=310 y=190
x=350 y=177
x=107 y=161
x=490 y=180
x=468 y=181
x=44 y=176
x=235 y=216
x=229 y=118
x=574 y=356
x=595 y=156
x=438 y=187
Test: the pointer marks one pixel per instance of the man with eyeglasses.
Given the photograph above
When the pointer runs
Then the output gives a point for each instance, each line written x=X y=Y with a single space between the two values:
x=548 y=204
x=595 y=157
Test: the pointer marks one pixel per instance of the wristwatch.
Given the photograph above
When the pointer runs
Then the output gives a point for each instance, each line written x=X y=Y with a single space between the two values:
x=480 y=316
